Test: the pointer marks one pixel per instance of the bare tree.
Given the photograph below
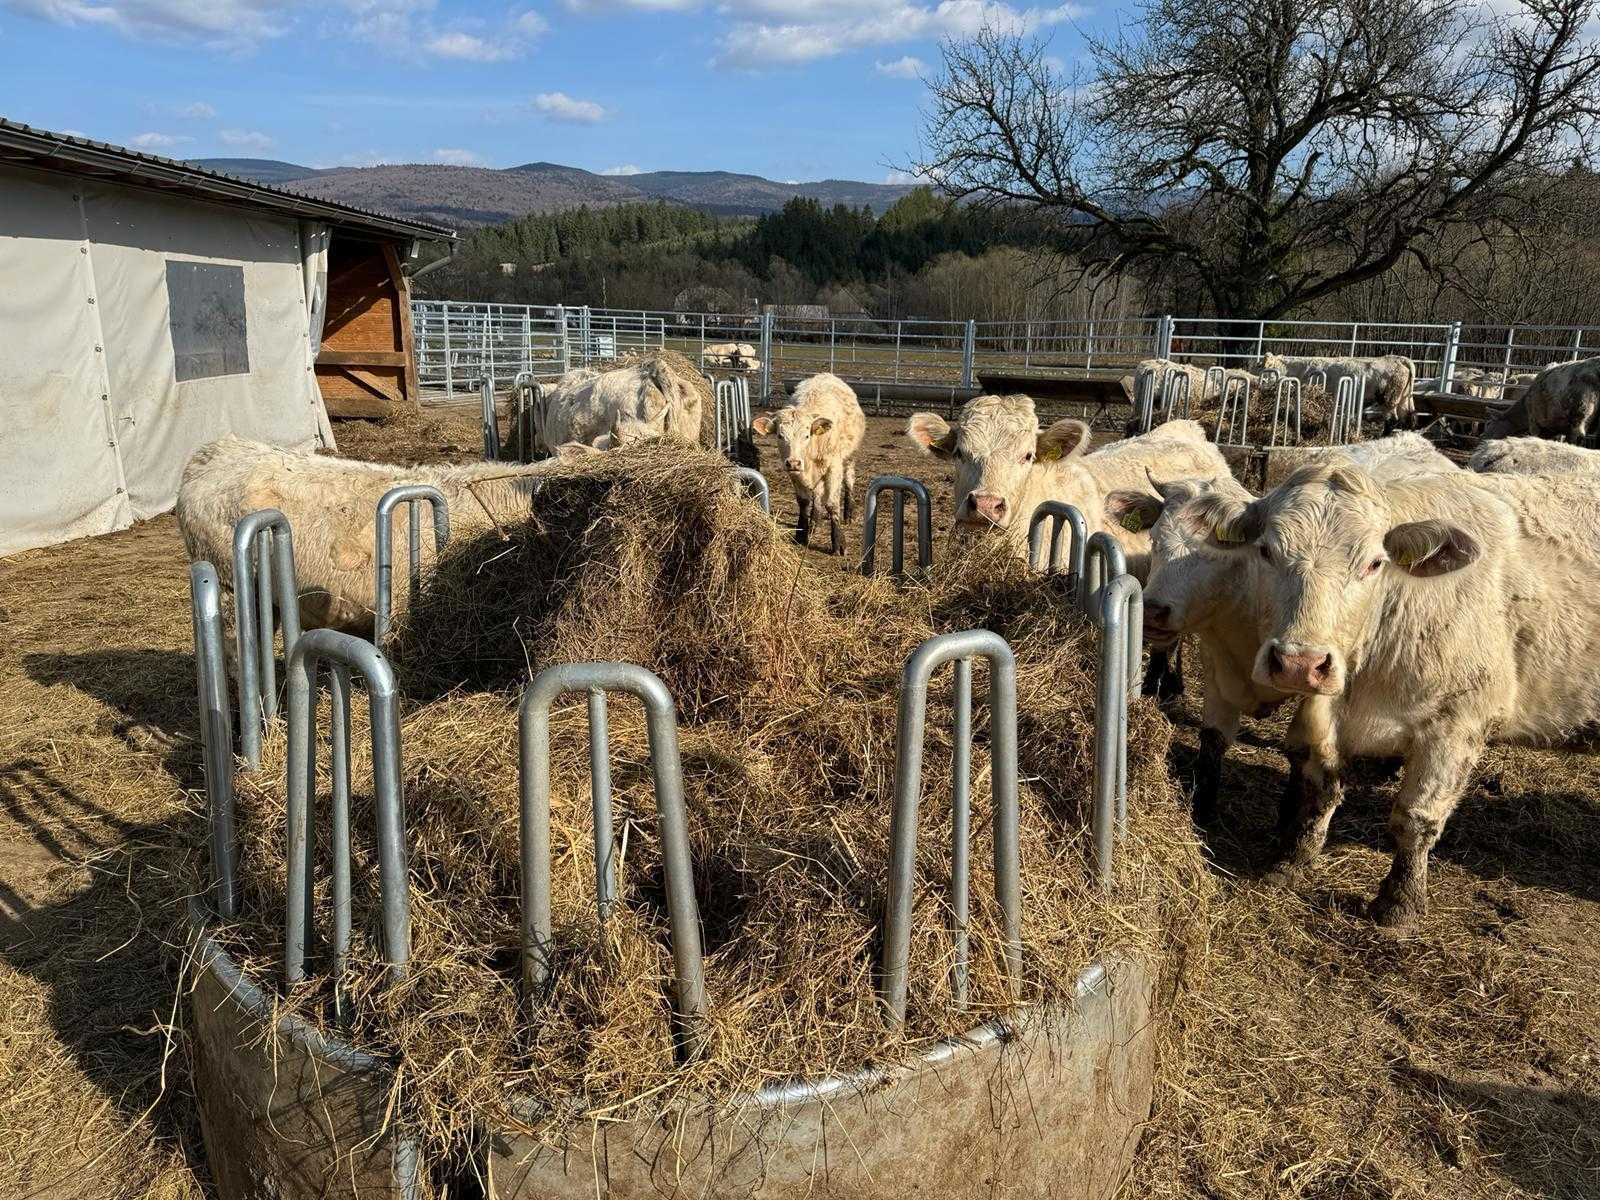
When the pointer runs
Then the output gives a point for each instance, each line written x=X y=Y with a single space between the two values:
x=1275 y=151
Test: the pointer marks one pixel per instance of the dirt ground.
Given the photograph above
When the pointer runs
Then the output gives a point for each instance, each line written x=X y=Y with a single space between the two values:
x=1320 y=1058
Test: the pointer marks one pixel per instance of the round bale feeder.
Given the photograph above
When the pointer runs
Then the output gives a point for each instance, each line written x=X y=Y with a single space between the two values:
x=1049 y=1102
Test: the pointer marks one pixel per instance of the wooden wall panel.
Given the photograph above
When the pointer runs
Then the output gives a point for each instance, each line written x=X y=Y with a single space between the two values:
x=366 y=364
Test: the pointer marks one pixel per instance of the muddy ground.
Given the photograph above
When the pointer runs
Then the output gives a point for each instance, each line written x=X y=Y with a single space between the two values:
x=1317 y=1057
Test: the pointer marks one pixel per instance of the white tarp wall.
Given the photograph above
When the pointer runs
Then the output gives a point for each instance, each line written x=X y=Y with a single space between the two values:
x=134 y=327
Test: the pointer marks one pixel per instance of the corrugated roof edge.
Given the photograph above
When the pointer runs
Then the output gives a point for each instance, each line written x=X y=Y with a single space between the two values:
x=67 y=150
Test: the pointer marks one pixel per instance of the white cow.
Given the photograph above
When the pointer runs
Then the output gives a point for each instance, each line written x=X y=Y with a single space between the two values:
x=819 y=435
x=586 y=405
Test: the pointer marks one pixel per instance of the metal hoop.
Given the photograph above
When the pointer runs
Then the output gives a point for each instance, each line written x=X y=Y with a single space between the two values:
x=411 y=495
x=267 y=533
x=756 y=484
x=901 y=487
x=216 y=730
x=1062 y=517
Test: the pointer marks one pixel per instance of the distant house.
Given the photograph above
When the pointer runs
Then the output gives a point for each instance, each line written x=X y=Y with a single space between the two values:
x=799 y=312
x=150 y=306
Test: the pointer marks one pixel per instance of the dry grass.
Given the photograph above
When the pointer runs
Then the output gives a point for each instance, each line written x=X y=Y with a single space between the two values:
x=785 y=679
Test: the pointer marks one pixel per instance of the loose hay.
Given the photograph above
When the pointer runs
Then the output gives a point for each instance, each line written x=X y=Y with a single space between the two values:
x=786 y=683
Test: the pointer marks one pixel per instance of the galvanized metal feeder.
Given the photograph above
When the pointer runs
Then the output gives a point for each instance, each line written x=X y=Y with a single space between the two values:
x=1050 y=1104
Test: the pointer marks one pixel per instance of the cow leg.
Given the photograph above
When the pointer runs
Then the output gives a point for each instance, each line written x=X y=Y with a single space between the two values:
x=1313 y=791
x=1219 y=728
x=1163 y=678
x=849 y=491
x=833 y=502
x=802 y=529
x=1436 y=774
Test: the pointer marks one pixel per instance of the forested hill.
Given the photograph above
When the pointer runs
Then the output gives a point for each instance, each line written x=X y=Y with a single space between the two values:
x=466 y=197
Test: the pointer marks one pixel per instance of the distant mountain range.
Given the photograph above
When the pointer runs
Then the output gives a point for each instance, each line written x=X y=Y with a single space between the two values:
x=468 y=196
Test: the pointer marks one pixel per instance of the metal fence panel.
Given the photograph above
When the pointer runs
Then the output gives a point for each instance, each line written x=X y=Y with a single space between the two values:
x=901 y=487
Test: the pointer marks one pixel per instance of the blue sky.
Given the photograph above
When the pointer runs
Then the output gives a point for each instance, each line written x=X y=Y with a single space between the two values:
x=790 y=89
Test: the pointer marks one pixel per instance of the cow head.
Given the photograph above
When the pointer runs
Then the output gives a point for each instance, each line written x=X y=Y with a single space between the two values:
x=1184 y=588
x=795 y=431
x=999 y=451
x=1326 y=544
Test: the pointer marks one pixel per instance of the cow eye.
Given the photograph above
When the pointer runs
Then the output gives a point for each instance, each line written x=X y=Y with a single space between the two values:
x=1374 y=567
x=1265 y=553
x=1028 y=457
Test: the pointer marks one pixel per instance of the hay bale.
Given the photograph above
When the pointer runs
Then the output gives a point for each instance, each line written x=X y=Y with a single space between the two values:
x=786 y=680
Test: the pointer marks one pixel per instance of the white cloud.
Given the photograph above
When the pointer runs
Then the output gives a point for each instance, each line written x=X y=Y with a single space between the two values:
x=246 y=139
x=407 y=29
x=158 y=141
x=909 y=67
x=625 y=169
x=559 y=106
x=583 y=6
x=198 y=111
x=219 y=24
x=905 y=177
x=458 y=158
x=785 y=32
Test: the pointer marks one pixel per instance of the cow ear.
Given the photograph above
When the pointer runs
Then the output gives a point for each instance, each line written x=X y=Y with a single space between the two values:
x=1134 y=511
x=1427 y=548
x=1067 y=438
x=820 y=425
x=1222 y=523
x=570 y=450
x=932 y=434
x=762 y=426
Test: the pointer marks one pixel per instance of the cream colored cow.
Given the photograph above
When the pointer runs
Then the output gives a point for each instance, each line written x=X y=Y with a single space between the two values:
x=819 y=435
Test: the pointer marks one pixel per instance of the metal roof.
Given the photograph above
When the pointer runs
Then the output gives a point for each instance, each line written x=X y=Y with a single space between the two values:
x=23 y=145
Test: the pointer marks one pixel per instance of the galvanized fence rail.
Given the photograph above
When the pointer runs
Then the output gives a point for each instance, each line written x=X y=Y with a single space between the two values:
x=1063 y=519
x=732 y=399
x=263 y=558
x=900 y=486
x=754 y=482
x=458 y=344
x=412 y=495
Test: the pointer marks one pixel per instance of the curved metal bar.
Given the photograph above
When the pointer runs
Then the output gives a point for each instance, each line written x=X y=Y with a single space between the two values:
x=1062 y=517
x=901 y=486
x=344 y=653
x=252 y=617
x=907 y=796
x=216 y=730
x=1235 y=395
x=1104 y=560
x=756 y=484
x=732 y=413
x=1286 y=401
x=1120 y=644
x=491 y=424
x=1144 y=399
x=526 y=395
x=409 y=494
x=596 y=678
x=1177 y=387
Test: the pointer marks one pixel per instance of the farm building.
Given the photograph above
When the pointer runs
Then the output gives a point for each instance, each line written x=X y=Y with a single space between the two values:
x=165 y=306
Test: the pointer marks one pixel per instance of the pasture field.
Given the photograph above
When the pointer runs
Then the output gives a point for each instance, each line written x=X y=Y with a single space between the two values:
x=1315 y=1057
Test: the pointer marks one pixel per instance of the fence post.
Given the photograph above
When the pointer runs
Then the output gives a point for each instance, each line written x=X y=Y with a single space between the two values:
x=449 y=366
x=833 y=335
x=1452 y=346
x=1164 y=336
x=1355 y=328
x=566 y=347
x=1577 y=344
x=1511 y=337
x=968 y=350
x=766 y=356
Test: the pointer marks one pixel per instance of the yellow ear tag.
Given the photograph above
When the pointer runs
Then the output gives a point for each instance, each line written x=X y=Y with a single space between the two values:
x=1132 y=522
x=1221 y=533
x=1050 y=454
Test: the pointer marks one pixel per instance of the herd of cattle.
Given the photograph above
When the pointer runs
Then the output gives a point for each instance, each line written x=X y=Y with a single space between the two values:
x=1407 y=607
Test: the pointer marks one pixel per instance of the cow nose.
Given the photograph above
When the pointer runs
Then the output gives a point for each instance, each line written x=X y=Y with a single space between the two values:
x=791 y=464
x=1305 y=671
x=1157 y=615
x=988 y=506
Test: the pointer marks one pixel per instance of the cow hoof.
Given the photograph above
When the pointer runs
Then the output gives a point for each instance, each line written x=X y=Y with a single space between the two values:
x=1389 y=912
x=1285 y=874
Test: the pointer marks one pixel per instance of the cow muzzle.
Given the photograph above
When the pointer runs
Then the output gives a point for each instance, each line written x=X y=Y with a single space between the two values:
x=984 y=509
x=1160 y=629
x=1296 y=667
x=793 y=465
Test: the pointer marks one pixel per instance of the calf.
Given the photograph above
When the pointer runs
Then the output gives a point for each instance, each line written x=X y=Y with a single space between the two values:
x=1532 y=456
x=819 y=435
x=1218 y=600
x=1432 y=614
x=1561 y=403
x=585 y=405
x=332 y=506
x=1391 y=380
